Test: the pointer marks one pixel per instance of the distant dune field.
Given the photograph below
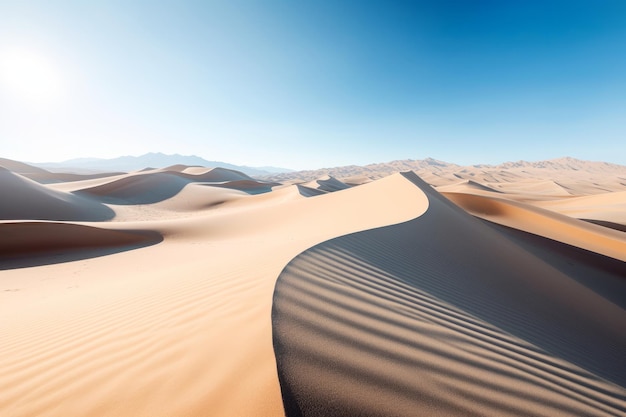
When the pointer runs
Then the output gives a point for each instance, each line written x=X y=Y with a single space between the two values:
x=413 y=288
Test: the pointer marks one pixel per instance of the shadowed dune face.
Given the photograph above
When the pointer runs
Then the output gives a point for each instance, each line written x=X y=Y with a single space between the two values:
x=445 y=315
x=308 y=191
x=330 y=184
x=544 y=223
x=153 y=187
x=25 y=199
x=321 y=186
x=144 y=188
x=46 y=177
x=610 y=225
x=248 y=186
x=27 y=244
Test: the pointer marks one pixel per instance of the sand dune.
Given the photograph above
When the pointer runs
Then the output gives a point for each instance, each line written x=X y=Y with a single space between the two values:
x=215 y=175
x=249 y=186
x=25 y=199
x=178 y=328
x=547 y=188
x=322 y=185
x=309 y=191
x=21 y=167
x=608 y=207
x=544 y=223
x=190 y=291
x=327 y=184
x=422 y=319
x=150 y=187
x=356 y=180
x=467 y=185
x=144 y=188
x=46 y=177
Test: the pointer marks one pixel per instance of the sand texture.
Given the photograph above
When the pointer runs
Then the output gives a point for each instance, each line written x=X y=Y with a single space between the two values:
x=189 y=291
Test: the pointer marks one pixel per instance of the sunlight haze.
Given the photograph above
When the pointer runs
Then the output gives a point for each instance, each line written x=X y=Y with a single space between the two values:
x=313 y=84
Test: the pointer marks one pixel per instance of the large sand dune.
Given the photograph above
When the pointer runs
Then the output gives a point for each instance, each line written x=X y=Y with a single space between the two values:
x=446 y=315
x=189 y=291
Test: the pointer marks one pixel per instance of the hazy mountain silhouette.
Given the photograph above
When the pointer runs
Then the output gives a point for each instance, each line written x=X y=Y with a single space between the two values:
x=153 y=160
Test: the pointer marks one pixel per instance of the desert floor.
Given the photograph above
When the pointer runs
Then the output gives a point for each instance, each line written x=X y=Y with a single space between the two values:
x=189 y=291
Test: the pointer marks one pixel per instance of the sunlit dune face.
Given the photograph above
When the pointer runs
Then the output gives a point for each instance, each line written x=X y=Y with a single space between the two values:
x=29 y=76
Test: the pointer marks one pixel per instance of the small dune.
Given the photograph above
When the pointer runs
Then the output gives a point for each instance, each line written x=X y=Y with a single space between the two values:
x=327 y=184
x=25 y=199
x=151 y=187
x=140 y=188
x=468 y=185
x=544 y=223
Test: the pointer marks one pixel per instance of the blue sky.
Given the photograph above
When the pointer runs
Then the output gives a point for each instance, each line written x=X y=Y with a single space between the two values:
x=302 y=84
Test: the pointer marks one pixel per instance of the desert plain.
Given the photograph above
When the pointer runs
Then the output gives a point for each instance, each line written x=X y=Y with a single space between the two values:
x=411 y=288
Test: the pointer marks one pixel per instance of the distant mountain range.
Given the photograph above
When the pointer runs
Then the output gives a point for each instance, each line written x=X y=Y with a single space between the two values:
x=433 y=171
x=150 y=160
x=433 y=167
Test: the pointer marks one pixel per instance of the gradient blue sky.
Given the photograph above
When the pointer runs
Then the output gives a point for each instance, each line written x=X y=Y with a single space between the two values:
x=309 y=84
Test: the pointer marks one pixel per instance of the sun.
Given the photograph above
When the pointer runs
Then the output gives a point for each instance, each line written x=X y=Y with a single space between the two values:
x=29 y=76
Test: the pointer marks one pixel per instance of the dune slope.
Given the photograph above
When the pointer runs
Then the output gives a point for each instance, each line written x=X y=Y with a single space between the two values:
x=447 y=315
x=25 y=199
x=180 y=328
x=544 y=223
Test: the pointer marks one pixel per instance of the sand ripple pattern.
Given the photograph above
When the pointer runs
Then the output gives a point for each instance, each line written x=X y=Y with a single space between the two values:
x=448 y=315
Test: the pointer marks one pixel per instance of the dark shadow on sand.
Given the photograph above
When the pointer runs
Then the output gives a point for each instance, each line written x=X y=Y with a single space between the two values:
x=610 y=225
x=28 y=244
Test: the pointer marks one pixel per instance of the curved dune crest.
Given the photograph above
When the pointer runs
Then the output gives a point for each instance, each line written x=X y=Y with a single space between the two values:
x=608 y=207
x=327 y=184
x=467 y=185
x=308 y=191
x=538 y=188
x=151 y=187
x=46 y=177
x=140 y=188
x=25 y=199
x=214 y=175
x=544 y=223
x=249 y=186
x=446 y=315
x=20 y=167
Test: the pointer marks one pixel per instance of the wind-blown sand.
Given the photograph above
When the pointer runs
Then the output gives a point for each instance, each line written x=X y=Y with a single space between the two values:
x=188 y=291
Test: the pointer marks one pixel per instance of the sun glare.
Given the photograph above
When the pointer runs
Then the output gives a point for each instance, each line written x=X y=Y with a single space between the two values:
x=29 y=76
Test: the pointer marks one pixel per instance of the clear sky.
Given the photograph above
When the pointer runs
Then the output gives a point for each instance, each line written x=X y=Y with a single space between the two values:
x=310 y=84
